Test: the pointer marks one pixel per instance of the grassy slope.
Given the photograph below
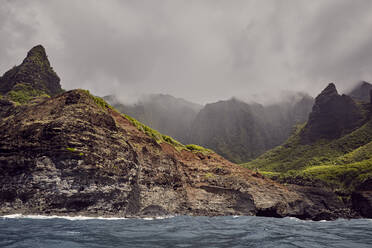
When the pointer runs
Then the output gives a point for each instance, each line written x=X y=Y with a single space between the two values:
x=24 y=93
x=343 y=163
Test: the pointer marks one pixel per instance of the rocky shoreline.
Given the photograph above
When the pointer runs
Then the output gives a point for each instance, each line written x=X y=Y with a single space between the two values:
x=68 y=155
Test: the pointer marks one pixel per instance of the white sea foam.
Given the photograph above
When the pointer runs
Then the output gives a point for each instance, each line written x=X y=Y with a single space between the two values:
x=44 y=217
x=79 y=217
x=298 y=220
x=159 y=217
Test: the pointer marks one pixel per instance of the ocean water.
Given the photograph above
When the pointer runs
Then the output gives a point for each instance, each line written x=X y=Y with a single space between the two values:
x=182 y=231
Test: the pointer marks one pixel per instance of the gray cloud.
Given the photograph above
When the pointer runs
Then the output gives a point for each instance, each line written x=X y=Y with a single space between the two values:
x=200 y=50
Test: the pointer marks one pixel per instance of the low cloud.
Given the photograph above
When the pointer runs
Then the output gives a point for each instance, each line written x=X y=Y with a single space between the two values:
x=199 y=50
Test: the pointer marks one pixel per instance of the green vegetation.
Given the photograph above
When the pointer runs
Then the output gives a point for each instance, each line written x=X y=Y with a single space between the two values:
x=197 y=148
x=342 y=178
x=293 y=155
x=158 y=137
x=342 y=163
x=209 y=175
x=23 y=93
x=72 y=149
x=98 y=100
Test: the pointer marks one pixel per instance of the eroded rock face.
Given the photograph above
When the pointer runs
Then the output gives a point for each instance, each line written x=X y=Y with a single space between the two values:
x=67 y=155
x=35 y=72
x=333 y=115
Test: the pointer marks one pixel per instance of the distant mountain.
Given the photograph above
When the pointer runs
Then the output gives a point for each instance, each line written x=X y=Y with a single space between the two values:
x=231 y=128
x=362 y=92
x=34 y=77
x=165 y=113
x=333 y=149
x=240 y=131
x=237 y=130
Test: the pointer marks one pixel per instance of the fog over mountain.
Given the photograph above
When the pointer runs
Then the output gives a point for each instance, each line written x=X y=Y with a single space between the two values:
x=237 y=130
x=202 y=51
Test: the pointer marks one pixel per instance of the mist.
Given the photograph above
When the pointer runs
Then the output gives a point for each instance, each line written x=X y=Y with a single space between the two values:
x=202 y=51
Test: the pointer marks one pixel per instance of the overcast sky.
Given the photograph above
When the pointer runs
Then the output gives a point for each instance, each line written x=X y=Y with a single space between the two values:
x=201 y=50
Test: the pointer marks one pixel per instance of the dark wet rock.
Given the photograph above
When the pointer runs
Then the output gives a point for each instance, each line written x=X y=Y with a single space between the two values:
x=362 y=203
x=362 y=199
x=320 y=203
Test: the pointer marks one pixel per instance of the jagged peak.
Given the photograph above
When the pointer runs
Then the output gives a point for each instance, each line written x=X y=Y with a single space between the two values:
x=328 y=93
x=329 y=90
x=37 y=50
x=37 y=54
x=33 y=77
x=332 y=116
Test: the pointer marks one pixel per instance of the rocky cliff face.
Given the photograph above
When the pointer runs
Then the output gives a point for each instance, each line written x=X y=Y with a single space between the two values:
x=32 y=78
x=333 y=116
